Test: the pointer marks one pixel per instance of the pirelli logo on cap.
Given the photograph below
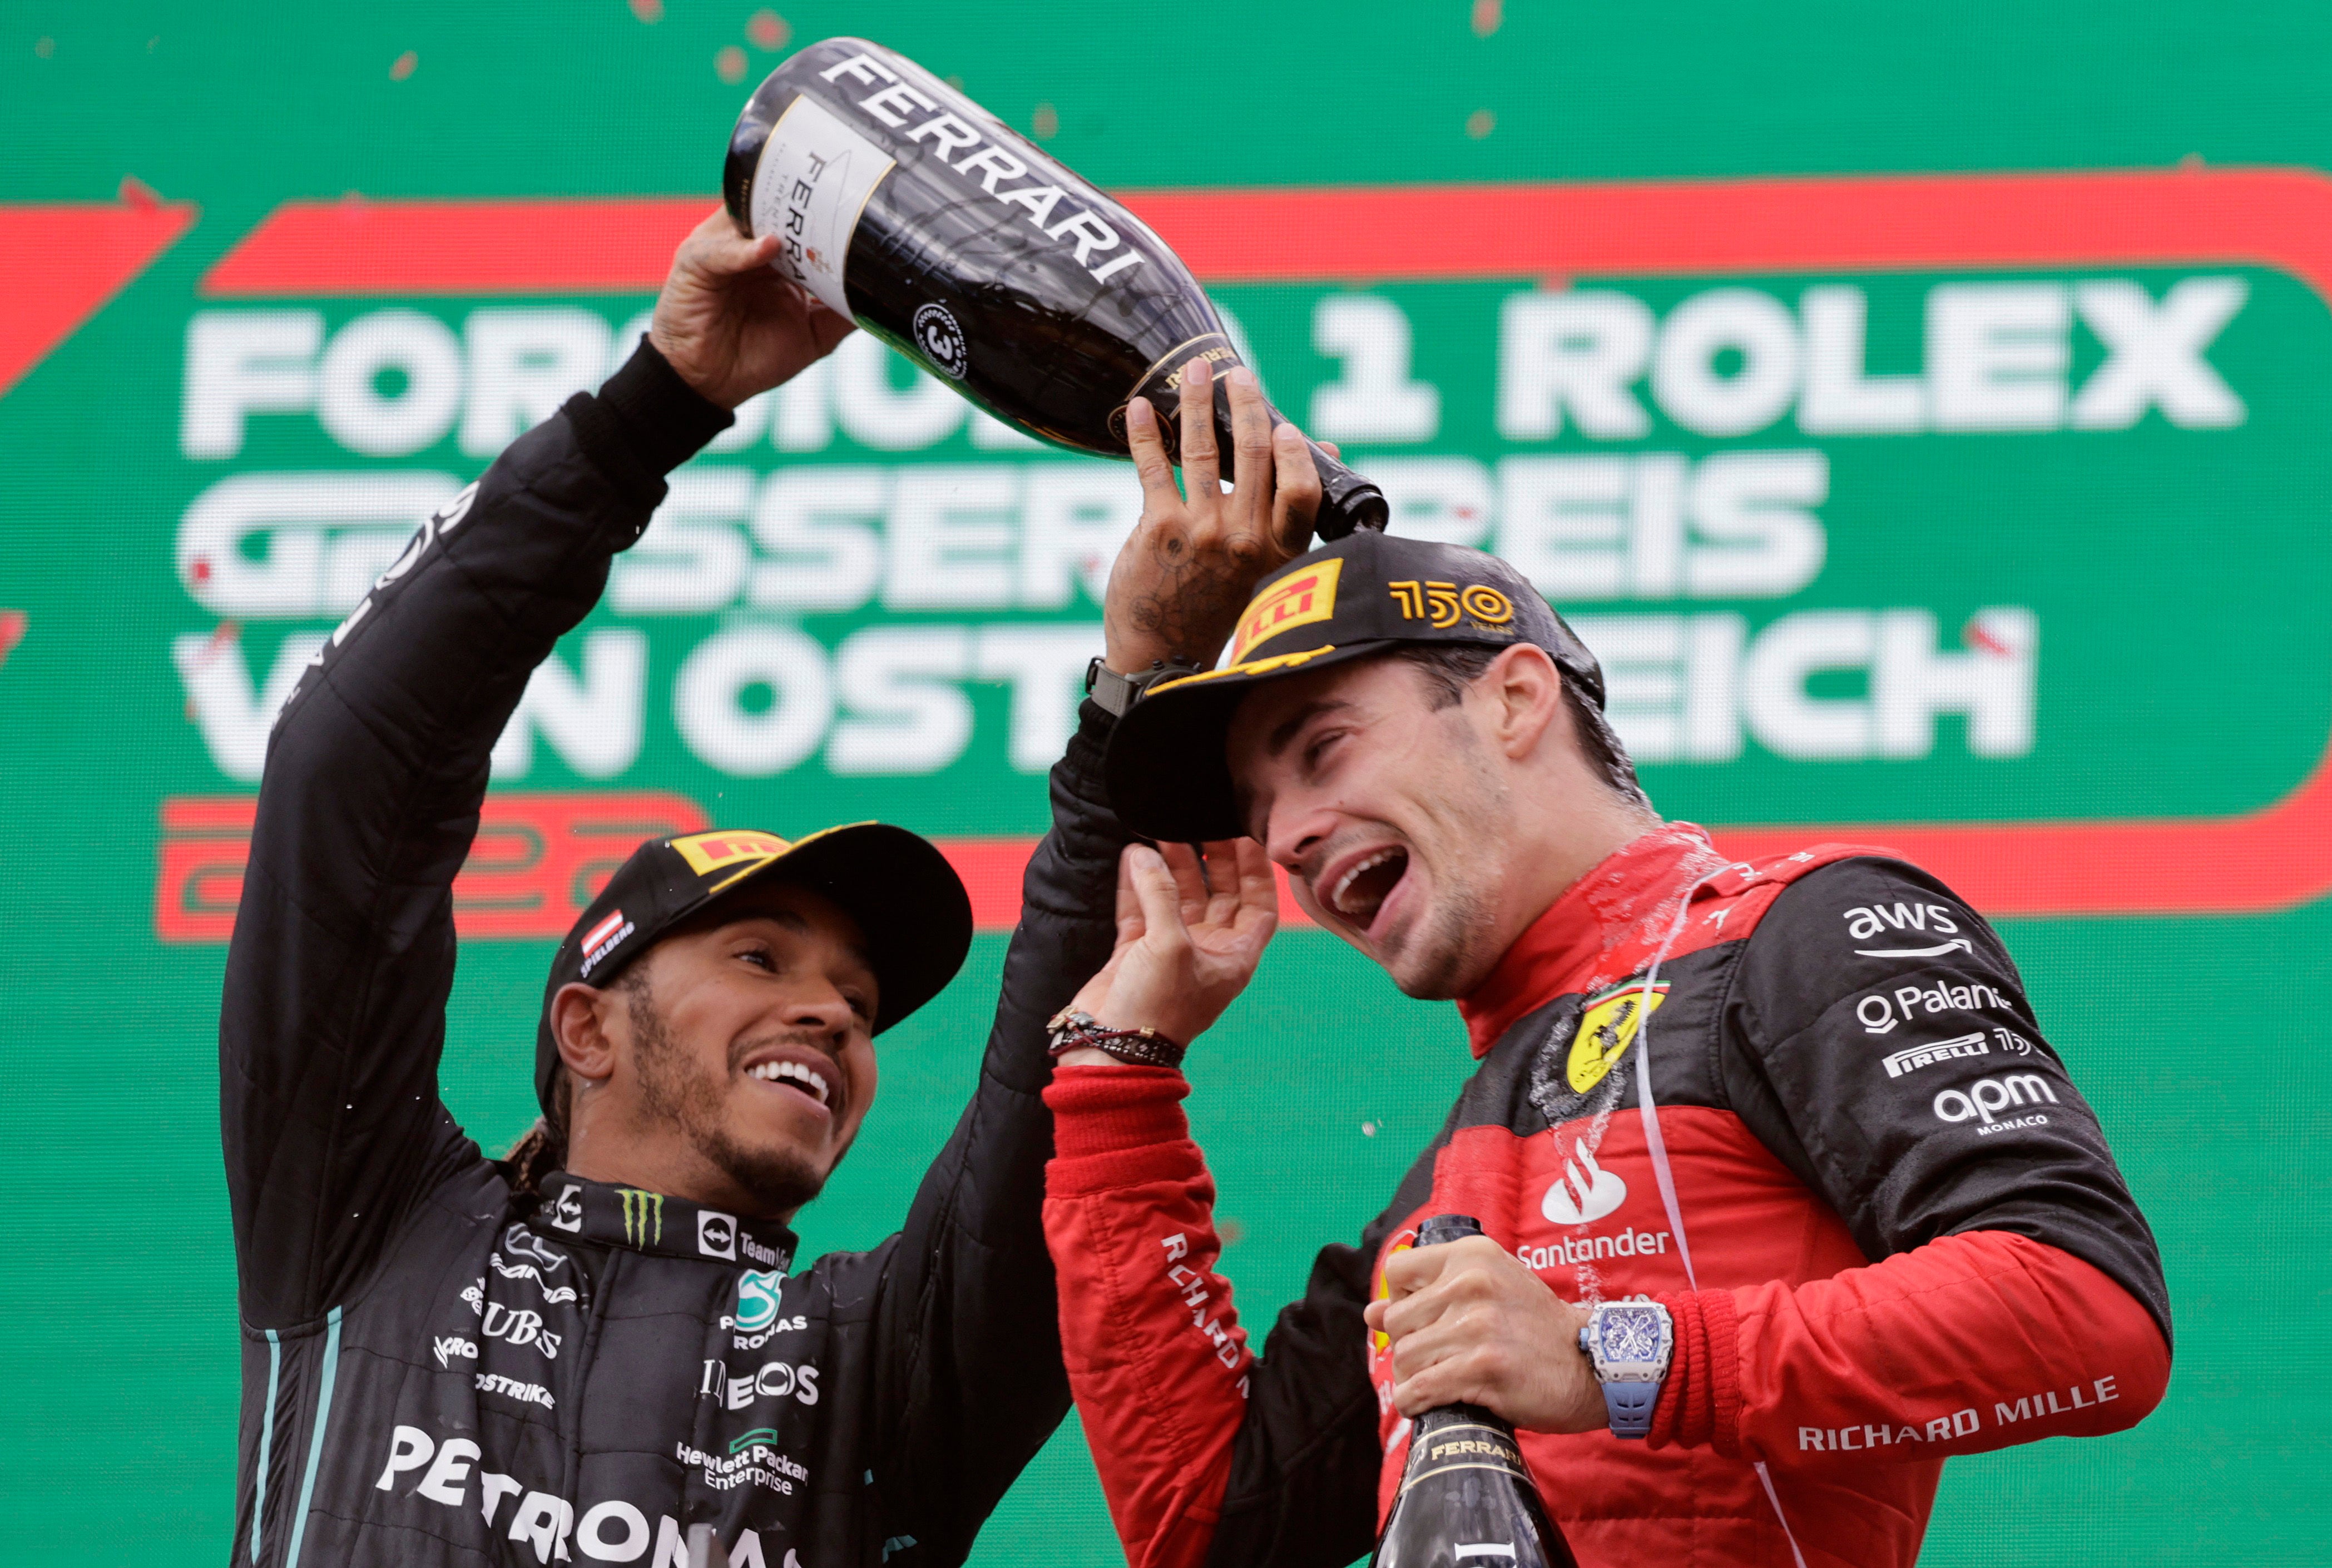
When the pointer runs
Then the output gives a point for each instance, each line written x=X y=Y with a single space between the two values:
x=1295 y=600
x=735 y=851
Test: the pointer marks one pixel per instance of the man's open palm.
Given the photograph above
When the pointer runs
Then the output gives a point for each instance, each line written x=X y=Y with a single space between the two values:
x=1188 y=937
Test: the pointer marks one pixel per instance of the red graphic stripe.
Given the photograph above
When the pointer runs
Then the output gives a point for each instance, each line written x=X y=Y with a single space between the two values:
x=2280 y=217
x=541 y=857
x=458 y=247
x=63 y=262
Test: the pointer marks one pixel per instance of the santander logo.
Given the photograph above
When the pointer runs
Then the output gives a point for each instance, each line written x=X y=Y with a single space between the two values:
x=1574 y=1199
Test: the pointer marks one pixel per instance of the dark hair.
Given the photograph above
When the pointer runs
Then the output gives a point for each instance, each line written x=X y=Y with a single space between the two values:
x=1449 y=668
x=544 y=1148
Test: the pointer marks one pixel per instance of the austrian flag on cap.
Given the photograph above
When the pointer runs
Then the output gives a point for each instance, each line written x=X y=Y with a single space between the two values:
x=601 y=939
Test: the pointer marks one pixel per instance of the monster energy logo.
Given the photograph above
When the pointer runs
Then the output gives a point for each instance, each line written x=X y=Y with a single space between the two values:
x=642 y=1211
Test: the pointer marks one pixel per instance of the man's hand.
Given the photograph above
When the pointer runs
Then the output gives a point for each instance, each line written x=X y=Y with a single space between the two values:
x=1189 y=938
x=730 y=325
x=1470 y=1323
x=1190 y=567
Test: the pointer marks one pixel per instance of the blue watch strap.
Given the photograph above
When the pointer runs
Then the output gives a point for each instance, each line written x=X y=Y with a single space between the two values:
x=1631 y=1406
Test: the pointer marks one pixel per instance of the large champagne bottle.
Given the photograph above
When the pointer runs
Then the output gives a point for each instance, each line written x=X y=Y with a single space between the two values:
x=909 y=207
x=1466 y=1498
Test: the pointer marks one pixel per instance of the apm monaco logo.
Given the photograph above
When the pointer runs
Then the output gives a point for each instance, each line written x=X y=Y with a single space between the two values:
x=604 y=939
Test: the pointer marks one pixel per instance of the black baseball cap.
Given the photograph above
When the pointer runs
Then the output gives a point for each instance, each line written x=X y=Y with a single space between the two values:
x=1367 y=592
x=905 y=897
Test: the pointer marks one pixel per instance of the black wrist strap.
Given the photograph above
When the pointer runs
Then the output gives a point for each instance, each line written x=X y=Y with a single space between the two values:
x=1115 y=693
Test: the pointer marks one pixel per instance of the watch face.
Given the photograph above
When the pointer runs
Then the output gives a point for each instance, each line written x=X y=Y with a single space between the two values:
x=1631 y=1336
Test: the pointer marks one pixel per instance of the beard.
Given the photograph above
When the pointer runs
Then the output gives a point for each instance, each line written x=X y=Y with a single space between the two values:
x=678 y=1093
x=1445 y=956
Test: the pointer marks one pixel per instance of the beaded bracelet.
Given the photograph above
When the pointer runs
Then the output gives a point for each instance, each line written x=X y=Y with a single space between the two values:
x=1073 y=1031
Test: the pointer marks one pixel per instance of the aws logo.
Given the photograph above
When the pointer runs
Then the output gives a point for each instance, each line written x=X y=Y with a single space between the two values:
x=1606 y=1029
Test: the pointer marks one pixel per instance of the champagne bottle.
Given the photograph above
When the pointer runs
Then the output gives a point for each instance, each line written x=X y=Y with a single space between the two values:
x=1466 y=1498
x=910 y=208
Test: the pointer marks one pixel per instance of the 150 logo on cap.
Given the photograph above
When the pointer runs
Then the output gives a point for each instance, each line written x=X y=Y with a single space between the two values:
x=1441 y=604
x=1297 y=599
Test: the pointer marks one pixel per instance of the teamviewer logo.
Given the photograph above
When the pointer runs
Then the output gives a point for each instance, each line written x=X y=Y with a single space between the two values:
x=716 y=1235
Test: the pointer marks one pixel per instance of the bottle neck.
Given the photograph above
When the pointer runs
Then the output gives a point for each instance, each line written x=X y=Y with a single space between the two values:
x=1461 y=1415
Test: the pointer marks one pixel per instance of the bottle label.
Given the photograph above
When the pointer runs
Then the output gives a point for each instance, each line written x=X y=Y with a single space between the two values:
x=1467 y=1447
x=1162 y=385
x=815 y=175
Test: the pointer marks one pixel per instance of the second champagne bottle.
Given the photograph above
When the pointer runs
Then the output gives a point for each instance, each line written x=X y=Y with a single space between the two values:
x=1468 y=1499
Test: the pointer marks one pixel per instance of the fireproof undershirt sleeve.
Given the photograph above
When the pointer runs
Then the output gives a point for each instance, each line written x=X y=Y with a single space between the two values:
x=1206 y=1454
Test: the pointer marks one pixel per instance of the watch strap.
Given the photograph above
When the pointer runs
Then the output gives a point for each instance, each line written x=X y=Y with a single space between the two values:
x=1629 y=1396
x=1113 y=693
x=1630 y=1404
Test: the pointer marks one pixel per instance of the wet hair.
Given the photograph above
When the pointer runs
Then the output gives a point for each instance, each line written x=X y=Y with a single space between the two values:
x=544 y=1148
x=1449 y=668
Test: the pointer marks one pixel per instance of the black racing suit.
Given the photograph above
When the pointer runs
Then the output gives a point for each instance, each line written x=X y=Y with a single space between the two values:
x=437 y=1370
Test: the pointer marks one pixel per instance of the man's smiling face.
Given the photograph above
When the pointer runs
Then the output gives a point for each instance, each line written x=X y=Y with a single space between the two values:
x=748 y=1034
x=1385 y=809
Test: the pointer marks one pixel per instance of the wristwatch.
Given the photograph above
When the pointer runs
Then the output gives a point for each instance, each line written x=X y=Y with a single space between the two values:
x=1630 y=1342
x=1116 y=692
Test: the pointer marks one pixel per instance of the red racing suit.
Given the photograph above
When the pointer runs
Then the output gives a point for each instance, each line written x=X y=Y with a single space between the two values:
x=1886 y=1223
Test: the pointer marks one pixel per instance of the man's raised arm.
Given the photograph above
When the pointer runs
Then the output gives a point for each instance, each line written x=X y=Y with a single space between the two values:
x=1205 y=1453
x=333 y=1015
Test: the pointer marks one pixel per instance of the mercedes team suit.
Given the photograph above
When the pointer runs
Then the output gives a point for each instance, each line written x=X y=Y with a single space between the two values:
x=437 y=1370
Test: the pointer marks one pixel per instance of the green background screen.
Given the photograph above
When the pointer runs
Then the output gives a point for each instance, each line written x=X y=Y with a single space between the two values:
x=1964 y=490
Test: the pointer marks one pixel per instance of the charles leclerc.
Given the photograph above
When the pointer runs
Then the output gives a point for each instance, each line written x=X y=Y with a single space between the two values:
x=1786 y=1198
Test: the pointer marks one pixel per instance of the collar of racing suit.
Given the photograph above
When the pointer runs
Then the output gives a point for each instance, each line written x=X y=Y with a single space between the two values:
x=1604 y=928
x=646 y=1222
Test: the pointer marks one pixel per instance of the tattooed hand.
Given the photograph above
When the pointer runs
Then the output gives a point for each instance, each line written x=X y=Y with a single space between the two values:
x=1190 y=567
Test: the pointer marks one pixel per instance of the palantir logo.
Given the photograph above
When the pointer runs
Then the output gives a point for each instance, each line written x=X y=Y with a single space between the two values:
x=1575 y=1198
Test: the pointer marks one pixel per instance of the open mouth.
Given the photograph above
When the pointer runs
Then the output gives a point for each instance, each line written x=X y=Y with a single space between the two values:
x=1362 y=888
x=800 y=1076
